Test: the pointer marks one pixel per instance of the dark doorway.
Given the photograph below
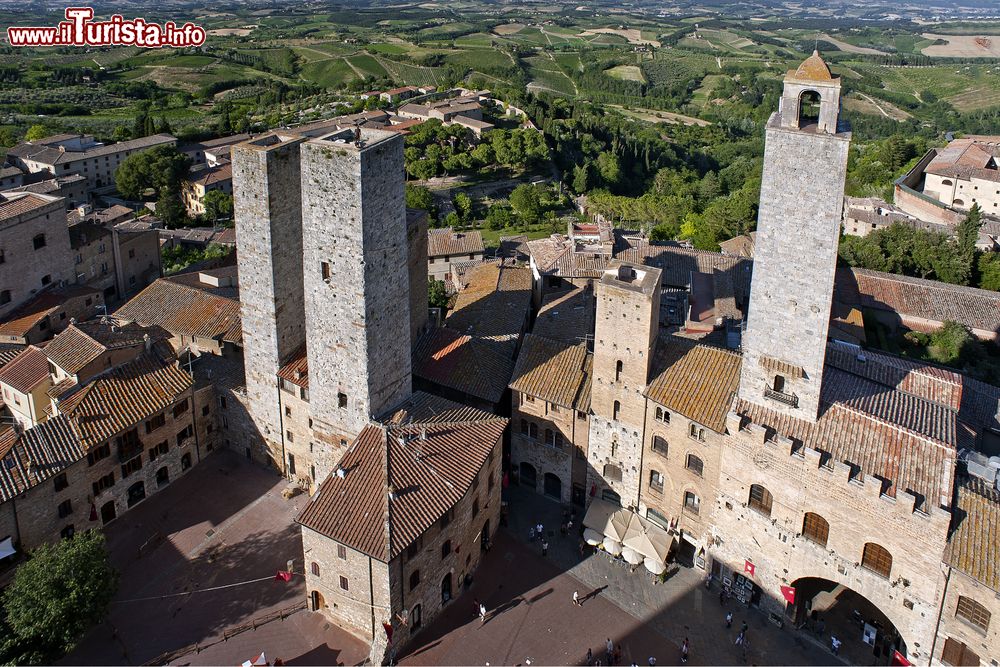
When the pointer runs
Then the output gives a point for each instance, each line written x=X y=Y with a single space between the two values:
x=446 y=588
x=162 y=476
x=317 y=600
x=579 y=495
x=484 y=538
x=108 y=512
x=553 y=486
x=528 y=476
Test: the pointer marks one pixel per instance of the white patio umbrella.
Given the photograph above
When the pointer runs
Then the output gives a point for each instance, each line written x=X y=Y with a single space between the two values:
x=631 y=556
x=655 y=566
x=647 y=538
x=592 y=537
x=612 y=547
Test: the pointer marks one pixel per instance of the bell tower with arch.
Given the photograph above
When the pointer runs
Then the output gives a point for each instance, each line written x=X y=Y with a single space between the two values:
x=795 y=256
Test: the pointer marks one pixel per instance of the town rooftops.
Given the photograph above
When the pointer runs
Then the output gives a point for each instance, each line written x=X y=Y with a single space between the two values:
x=470 y=365
x=567 y=316
x=26 y=371
x=123 y=396
x=554 y=371
x=449 y=242
x=16 y=204
x=697 y=381
x=296 y=368
x=969 y=157
x=29 y=315
x=400 y=477
x=978 y=309
x=37 y=454
x=208 y=176
x=185 y=310
x=82 y=342
x=50 y=186
x=974 y=541
x=43 y=151
x=493 y=302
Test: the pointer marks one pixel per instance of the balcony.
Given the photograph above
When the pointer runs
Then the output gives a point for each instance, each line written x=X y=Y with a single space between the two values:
x=791 y=400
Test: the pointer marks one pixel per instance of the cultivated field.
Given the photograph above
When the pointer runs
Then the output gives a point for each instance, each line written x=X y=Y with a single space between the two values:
x=964 y=46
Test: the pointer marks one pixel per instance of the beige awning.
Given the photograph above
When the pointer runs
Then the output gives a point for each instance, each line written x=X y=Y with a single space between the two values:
x=607 y=519
x=647 y=538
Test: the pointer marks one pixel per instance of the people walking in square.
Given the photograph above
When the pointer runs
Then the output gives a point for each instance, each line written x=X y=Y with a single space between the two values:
x=740 y=637
x=618 y=654
x=539 y=529
x=729 y=620
x=610 y=650
x=835 y=645
x=685 y=647
x=576 y=598
x=482 y=612
x=651 y=661
x=545 y=547
x=590 y=654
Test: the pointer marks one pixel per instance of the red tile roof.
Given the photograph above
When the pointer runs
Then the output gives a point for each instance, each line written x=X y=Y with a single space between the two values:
x=296 y=368
x=28 y=370
x=396 y=484
x=468 y=364
x=554 y=371
x=185 y=310
x=449 y=242
x=974 y=541
x=37 y=454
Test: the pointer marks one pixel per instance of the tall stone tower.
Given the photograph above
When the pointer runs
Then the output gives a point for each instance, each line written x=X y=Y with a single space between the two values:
x=798 y=229
x=267 y=198
x=627 y=324
x=357 y=308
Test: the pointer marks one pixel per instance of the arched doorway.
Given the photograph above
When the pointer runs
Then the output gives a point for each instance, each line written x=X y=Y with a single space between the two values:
x=828 y=609
x=553 y=486
x=136 y=493
x=484 y=540
x=809 y=102
x=528 y=476
x=316 y=600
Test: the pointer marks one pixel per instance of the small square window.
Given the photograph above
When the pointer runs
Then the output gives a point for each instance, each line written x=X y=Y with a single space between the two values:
x=341 y=400
x=341 y=552
x=343 y=583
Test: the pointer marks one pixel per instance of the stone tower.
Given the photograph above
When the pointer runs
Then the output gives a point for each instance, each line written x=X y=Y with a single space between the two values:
x=267 y=198
x=627 y=324
x=357 y=308
x=798 y=229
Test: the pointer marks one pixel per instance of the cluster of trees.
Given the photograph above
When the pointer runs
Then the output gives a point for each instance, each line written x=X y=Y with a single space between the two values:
x=180 y=257
x=158 y=171
x=924 y=254
x=954 y=345
x=873 y=167
x=432 y=149
x=56 y=596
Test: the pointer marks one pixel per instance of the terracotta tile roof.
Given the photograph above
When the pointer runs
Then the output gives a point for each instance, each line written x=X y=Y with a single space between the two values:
x=697 y=381
x=86 y=232
x=13 y=205
x=813 y=68
x=26 y=371
x=40 y=152
x=547 y=252
x=8 y=352
x=185 y=310
x=212 y=175
x=124 y=396
x=27 y=317
x=974 y=541
x=566 y=316
x=677 y=264
x=82 y=342
x=393 y=491
x=468 y=364
x=296 y=368
x=966 y=158
x=448 y=242
x=493 y=303
x=740 y=246
x=910 y=442
x=554 y=371
x=38 y=454
x=514 y=248
x=927 y=299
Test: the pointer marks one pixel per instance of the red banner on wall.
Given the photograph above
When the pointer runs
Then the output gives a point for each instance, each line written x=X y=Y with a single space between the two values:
x=788 y=592
x=899 y=659
x=749 y=568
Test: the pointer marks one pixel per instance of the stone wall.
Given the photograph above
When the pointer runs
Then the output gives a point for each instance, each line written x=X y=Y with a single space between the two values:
x=795 y=257
x=985 y=643
x=542 y=456
x=24 y=267
x=268 y=210
x=137 y=261
x=356 y=279
x=857 y=513
x=416 y=239
x=678 y=477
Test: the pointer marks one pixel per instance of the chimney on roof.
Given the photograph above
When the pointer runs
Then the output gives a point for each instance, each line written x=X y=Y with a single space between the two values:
x=423 y=433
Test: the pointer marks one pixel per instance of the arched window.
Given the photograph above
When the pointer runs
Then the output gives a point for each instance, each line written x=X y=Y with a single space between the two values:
x=779 y=383
x=446 y=588
x=656 y=481
x=415 y=618
x=809 y=103
x=659 y=414
x=760 y=500
x=973 y=612
x=695 y=465
x=659 y=445
x=314 y=568
x=877 y=559
x=815 y=529
x=958 y=202
x=414 y=579
x=533 y=430
x=617 y=410
x=524 y=427
x=549 y=437
x=946 y=181
x=445 y=549
x=618 y=370
x=692 y=503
